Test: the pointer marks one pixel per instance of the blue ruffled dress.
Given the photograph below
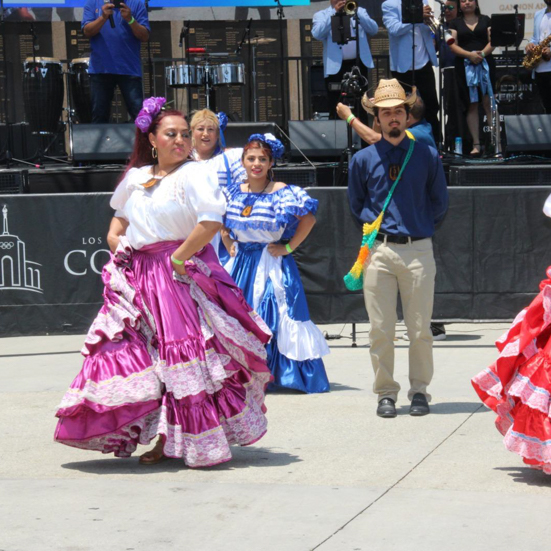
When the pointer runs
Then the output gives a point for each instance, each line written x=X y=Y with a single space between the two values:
x=272 y=286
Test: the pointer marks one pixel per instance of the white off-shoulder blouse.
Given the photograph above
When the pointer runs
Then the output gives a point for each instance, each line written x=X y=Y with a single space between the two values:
x=171 y=209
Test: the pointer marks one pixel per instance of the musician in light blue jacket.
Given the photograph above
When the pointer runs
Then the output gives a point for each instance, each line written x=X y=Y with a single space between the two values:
x=404 y=58
x=338 y=59
x=542 y=73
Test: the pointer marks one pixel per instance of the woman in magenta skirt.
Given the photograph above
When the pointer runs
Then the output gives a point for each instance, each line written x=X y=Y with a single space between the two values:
x=175 y=352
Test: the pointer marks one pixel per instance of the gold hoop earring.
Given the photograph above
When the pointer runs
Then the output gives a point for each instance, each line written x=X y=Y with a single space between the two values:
x=154 y=153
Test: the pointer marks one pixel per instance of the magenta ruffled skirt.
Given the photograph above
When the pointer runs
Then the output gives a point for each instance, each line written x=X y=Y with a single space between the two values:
x=177 y=356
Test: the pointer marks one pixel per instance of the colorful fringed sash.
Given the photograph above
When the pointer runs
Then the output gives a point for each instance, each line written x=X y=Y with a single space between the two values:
x=353 y=279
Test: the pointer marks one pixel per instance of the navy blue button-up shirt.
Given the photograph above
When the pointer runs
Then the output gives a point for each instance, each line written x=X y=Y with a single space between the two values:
x=420 y=199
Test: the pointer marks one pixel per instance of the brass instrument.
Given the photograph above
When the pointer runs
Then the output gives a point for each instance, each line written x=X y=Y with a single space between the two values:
x=533 y=59
x=435 y=28
x=350 y=7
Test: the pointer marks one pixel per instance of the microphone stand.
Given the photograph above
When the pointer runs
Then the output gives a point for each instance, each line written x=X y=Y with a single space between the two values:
x=441 y=35
x=8 y=154
x=281 y=16
x=517 y=67
x=183 y=44
x=247 y=36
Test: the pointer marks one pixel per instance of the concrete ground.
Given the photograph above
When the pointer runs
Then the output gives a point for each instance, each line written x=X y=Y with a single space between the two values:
x=329 y=475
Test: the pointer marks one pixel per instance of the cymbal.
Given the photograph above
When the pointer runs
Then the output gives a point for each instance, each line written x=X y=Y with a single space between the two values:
x=260 y=41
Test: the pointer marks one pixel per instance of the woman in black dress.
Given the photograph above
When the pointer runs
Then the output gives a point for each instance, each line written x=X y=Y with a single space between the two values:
x=472 y=47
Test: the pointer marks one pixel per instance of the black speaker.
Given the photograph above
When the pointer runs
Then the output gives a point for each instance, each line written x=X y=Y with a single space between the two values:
x=319 y=139
x=500 y=176
x=237 y=133
x=528 y=132
x=14 y=181
x=103 y=142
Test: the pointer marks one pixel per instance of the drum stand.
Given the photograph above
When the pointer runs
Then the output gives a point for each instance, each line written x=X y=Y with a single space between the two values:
x=8 y=157
x=41 y=155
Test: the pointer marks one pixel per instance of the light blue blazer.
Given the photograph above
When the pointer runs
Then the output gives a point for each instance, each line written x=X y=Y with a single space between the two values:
x=332 y=52
x=400 y=37
x=537 y=23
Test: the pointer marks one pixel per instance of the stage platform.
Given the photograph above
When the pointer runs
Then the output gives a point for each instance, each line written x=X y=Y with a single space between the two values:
x=58 y=178
x=103 y=178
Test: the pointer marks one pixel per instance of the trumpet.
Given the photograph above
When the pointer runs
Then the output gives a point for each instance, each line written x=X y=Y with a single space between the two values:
x=435 y=28
x=350 y=7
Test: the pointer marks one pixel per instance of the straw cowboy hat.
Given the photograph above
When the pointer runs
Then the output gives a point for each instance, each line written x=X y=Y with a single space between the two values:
x=389 y=93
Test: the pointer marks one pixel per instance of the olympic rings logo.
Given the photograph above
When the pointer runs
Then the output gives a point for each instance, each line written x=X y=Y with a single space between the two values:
x=6 y=246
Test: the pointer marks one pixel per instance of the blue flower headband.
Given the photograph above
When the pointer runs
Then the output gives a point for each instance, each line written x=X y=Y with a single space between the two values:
x=271 y=141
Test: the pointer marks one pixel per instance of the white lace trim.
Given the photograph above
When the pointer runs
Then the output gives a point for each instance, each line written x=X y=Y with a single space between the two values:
x=529 y=394
x=489 y=382
x=529 y=447
x=297 y=340
x=111 y=324
x=224 y=325
x=195 y=376
x=117 y=391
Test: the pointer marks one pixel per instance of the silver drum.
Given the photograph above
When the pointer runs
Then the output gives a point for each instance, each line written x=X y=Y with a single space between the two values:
x=228 y=73
x=178 y=76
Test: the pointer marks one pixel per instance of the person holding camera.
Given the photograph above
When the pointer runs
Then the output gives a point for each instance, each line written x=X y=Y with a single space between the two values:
x=413 y=65
x=116 y=31
x=339 y=59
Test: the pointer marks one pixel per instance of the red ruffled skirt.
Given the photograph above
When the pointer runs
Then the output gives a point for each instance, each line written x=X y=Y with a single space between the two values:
x=518 y=385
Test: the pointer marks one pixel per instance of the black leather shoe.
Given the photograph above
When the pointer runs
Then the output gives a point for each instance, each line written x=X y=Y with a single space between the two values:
x=419 y=405
x=386 y=408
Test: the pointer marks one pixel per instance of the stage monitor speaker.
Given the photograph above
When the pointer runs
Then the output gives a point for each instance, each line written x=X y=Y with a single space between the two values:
x=319 y=139
x=528 y=132
x=14 y=181
x=500 y=176
x=103 y=142
x=237 y=133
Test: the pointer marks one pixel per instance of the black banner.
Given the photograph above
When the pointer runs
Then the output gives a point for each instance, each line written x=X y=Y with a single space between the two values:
x=52 y=249
x=491 y=252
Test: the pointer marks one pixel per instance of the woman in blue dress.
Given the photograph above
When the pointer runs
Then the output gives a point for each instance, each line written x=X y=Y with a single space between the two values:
x=265 y=221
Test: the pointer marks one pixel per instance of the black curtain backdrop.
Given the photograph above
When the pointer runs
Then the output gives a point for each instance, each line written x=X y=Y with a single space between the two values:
x=491 y=252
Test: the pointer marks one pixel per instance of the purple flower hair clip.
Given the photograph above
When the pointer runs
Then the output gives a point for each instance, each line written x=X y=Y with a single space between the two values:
x=151 y=107
x=278 y=149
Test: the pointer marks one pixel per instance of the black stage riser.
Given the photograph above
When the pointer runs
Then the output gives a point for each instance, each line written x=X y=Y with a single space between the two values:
x=492 y=175
x=490 y=252
x=105 y=179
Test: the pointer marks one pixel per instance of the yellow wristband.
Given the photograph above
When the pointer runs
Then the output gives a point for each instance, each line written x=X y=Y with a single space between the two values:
x=350 y=118
x=132 y=21
x=288 y=248
x=176 y=261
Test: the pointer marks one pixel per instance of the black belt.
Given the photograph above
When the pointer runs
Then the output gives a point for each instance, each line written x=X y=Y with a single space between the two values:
x=398 y=239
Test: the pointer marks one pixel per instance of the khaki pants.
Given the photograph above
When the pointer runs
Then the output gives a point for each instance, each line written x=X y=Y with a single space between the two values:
x=411 y=270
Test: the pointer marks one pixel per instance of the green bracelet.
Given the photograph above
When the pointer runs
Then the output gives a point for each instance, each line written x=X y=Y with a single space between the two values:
x=176 y=261
x=132 y=21
x=288 y=248
x=482 y=54
x=350 y=118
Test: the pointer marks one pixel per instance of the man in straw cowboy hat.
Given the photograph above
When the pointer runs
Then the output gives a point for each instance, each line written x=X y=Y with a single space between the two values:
x=408 y=176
